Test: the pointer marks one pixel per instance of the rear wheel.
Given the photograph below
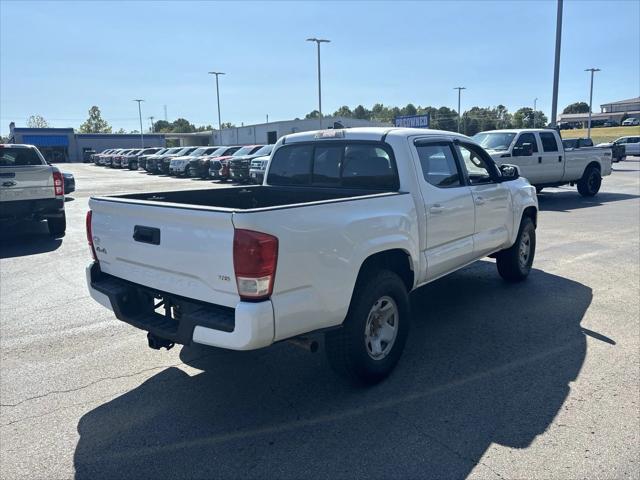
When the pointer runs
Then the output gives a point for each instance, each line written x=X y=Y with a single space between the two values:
x=590 y=182
x=514 y=264
x=57 y=225
x=368 y=346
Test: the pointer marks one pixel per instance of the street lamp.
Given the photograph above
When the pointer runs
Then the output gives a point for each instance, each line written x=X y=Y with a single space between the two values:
x=556 y=66
x=318 y=42
x=459 y=113
x=535 y=103
x=139 y=100
x=592 y=70
x=217 y=74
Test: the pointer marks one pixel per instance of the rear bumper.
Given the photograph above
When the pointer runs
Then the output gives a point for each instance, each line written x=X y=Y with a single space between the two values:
x=247 y=327
x=46 y=207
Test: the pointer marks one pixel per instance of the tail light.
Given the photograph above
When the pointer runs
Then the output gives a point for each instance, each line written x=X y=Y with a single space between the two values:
x=255 y=256
x=58 y=184
x=90 y=235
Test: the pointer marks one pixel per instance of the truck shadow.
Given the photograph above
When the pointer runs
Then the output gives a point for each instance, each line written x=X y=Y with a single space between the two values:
x=487 y=362
x=18 y=239
x=567 y=200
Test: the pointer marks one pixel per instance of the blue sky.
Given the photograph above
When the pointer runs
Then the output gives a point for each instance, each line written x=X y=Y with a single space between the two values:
x=59 y=58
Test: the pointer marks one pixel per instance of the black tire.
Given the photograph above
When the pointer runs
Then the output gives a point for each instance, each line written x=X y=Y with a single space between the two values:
x=347 y=349
x=538 y=189
x=57 y=225
x=514 y=264
x=590 y=182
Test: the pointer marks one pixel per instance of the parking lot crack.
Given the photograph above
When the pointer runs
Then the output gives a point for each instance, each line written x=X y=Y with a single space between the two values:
x=90 y=384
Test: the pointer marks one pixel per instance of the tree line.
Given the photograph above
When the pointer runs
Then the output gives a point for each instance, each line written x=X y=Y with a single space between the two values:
x=474 y=120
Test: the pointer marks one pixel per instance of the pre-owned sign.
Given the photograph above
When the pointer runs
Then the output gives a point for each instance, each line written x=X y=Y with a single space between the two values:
x=412 y=121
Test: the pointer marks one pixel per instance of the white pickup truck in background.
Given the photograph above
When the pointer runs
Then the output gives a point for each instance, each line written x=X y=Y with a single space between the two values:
x=542 y=160
x=347 y=223
x=30 y=188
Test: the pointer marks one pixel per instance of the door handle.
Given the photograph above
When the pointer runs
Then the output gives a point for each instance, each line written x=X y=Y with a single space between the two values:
x=436 y=208
x=10 y=183
x=559 y=158
x=539 y=159
x=479 y=200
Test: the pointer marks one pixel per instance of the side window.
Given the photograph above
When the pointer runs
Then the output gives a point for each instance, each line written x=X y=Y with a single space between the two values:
x=326 y=165
x=549 y=143
x=291 y=165
x=368 y=166
x=477 y=168
x=527 y=138
x=439 y=166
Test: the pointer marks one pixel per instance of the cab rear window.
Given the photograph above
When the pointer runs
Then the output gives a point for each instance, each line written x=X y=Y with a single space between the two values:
x=18 y=157
x=359 y=165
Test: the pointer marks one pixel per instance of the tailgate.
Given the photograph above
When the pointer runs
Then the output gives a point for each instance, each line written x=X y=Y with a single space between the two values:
x=184 y=251
x=26 y=183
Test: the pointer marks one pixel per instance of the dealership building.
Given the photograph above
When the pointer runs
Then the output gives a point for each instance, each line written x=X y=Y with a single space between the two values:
x=65 y=145
x=611 y=112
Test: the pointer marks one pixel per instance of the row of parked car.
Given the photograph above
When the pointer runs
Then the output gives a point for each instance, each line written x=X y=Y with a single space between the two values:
x=245 y=164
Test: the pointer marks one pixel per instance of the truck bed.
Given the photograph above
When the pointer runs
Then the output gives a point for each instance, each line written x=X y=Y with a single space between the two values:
x=248 y=198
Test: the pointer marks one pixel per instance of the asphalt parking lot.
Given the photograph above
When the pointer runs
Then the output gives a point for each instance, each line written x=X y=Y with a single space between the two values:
x=534 y=380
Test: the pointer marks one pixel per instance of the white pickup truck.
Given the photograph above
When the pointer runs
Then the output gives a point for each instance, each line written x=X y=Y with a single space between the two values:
x=541 y=158
x=346 y=224
x=30 y=188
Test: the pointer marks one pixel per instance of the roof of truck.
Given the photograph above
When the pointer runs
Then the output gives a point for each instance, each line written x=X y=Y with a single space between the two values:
x=365 y=133
x=519 y=130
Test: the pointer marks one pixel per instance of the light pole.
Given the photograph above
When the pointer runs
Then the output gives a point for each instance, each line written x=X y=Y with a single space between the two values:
x=535 y=103
x=556 y=66
x=151 y=118
x=139 y=100
x=592 y=70
x=459 y=113
x=318 y=42
x=217 y=74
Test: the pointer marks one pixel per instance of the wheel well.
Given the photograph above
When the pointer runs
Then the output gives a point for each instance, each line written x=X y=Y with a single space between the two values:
x=396 y=260
x=593 y=164
x=532 y=213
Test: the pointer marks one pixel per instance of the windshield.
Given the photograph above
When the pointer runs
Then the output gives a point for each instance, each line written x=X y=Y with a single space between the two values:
x=244 y=151
x=218 y=152
x=266 y=150
x=173 y=150
x=494 y=140
x=199 y=151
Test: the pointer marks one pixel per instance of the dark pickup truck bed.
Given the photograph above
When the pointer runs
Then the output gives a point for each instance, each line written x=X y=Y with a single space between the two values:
x=246 y=198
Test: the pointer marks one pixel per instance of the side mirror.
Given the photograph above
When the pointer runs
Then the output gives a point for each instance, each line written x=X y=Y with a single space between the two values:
x=524 y=150
x=509 y=172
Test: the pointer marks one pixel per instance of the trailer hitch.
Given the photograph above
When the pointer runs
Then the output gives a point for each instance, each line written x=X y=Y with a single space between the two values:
x=157 y=343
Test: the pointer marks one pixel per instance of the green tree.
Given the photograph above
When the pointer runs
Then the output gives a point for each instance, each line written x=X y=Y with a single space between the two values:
x=120 y=131
x=577 y=107
x=37 y=121
x=361 y=112
x=343 y=111
x=162 y=126
x=182 y=125
x=312 y=114
x=410 y=109
x=95 y=123
x=445 y=119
